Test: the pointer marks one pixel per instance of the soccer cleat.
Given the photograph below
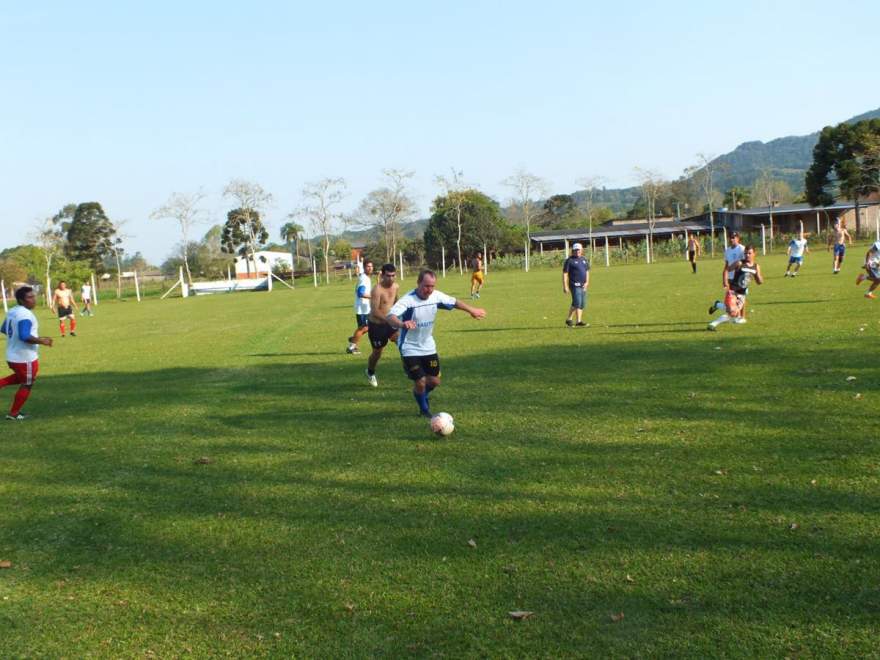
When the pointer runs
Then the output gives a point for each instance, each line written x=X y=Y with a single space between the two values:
x=861 y=277
x=581 y=324
x=371 y=378
x=425 y=414
x=870 y=295
x=569 y=322
x=711 y=327
x=477 y=295
x=739 y=321
x=353 y=350
x=714 y=307
x=73 y=334
x=20 y=417
x=786 y=274
x=835 y=271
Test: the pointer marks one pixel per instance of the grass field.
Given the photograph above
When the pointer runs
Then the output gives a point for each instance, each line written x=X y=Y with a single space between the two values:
x=644 y=487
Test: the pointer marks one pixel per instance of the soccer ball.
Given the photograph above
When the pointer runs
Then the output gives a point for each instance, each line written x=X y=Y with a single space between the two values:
x=442 y=424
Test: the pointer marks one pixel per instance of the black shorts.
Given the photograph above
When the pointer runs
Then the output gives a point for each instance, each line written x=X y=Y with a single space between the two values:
x=64 y=312
x=691 y=255
x=361 y=320
x=419 y=366
x=380 y=334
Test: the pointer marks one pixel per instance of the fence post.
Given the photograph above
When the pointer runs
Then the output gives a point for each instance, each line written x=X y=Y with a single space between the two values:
x=315 y=272
x=607 y=258
x=818 y=225
x=725 y=236
x=94 y=290
x=486 y=258
x=443 y=259
x=763 y=240
x=3 y=289
x=526 y=256
x=137 y=288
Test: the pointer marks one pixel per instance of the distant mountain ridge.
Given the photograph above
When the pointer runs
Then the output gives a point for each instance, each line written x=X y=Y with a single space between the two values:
x=786 y=158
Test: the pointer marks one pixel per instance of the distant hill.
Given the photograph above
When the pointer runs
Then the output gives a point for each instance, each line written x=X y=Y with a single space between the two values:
x=415 y=229
x=786 y=158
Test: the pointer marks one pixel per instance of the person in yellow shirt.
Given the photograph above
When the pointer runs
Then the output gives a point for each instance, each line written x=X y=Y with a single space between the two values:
x=477 y=275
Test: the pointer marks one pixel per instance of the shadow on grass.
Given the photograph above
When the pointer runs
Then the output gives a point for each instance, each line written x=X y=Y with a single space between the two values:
x=583 y=454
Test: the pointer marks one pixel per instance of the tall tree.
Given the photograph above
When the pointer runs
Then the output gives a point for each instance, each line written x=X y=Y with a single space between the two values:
x=291 y=233
x=244 y=232
x=481 y=223
x=652 y=183
x=90 y=234
x=387 y=208
x=590 y=184
x=526 y=188
x=321 y=198
x=455 y=191
x=846 y=163
x=184 y=209
x=704 y=175
x=49 y=237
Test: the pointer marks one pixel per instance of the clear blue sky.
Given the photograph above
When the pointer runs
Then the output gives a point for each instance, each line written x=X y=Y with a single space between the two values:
x=124 y=103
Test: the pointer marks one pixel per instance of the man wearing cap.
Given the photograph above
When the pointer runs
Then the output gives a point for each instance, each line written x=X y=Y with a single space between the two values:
x=575 y=280
x=733 y=255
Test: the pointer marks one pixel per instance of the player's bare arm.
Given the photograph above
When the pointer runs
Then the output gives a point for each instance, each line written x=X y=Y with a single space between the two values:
x=565 y=282
x=475 y=312
x=759 y=277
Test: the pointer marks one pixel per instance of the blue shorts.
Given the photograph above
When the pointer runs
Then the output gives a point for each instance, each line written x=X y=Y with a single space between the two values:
x=795 y=260
x=578 y=297
x=362 y=320
x=839 y=250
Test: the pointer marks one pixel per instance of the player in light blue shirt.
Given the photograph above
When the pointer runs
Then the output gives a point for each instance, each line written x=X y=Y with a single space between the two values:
x=413 y=315
x=872 y=269
x=361 y=307
x=797 y=247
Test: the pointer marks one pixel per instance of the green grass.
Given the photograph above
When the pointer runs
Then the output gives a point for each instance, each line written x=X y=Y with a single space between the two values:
x=720 y=490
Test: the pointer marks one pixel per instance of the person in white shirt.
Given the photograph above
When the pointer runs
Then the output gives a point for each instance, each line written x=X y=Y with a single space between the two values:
x=20 y=328
x=797 y=247
x=733 y=255
x=86 y=297
x=361 y=307
x=413 y=315
x=872 y=269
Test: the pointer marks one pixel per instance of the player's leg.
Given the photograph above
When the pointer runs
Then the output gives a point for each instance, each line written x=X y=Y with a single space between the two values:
x=581 y=303
x=13 y=378
x=875 y=282
x=361 y=329
x=378 y=339
x=72 y=325
x=431 y=366
x=26 y=373
x=61 y=317
x=412 y=366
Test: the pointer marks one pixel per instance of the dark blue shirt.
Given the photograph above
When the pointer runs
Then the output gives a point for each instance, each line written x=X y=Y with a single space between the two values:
x=577 y=268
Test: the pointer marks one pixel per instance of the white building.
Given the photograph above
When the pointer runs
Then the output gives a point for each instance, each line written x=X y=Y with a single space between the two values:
x=262 y=264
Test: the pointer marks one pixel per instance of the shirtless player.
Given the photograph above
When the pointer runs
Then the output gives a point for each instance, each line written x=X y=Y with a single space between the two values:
x=64 y=303
x=382 y=298
x=839 y=239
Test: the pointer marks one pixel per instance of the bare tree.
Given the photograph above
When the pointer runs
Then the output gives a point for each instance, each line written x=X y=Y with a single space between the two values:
x=455 y=189
x=387 y=208
x=117 y=250
x=49 y=237
x=652 y=184
x=184 y=208
x=771 y=192
x=704 y=172
x=251 y=199
x=320 y=198
x=527 y=187
x=590 y=184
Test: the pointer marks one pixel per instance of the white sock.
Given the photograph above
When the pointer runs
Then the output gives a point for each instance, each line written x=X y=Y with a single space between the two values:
x=719 y=305
x=724 y=318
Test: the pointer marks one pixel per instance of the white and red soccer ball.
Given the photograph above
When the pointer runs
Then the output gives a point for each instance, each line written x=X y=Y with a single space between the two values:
x=442 y=424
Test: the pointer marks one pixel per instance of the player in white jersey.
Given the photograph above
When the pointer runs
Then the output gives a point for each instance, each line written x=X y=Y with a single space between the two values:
x=733 y=255
x=872 y=269
x=20 y=328
x=413 y=315
x=361 y=307
x=86 y=297
x=797 y=247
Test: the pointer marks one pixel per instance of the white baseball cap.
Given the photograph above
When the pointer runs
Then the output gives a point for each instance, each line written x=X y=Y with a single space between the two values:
x=577 y=246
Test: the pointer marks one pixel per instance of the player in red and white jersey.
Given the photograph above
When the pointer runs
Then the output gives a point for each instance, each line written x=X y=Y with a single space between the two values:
x=20 y=328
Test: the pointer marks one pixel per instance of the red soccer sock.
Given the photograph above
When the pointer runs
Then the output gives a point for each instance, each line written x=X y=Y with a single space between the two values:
x=62 y=328
x=73 y=324
x=20 y=397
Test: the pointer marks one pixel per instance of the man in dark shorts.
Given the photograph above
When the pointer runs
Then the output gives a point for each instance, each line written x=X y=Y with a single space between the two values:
x=64 y=303
x=576 y=279
x=382 y=297
x=414 y=316
x=745 y=272
x=693 y=249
